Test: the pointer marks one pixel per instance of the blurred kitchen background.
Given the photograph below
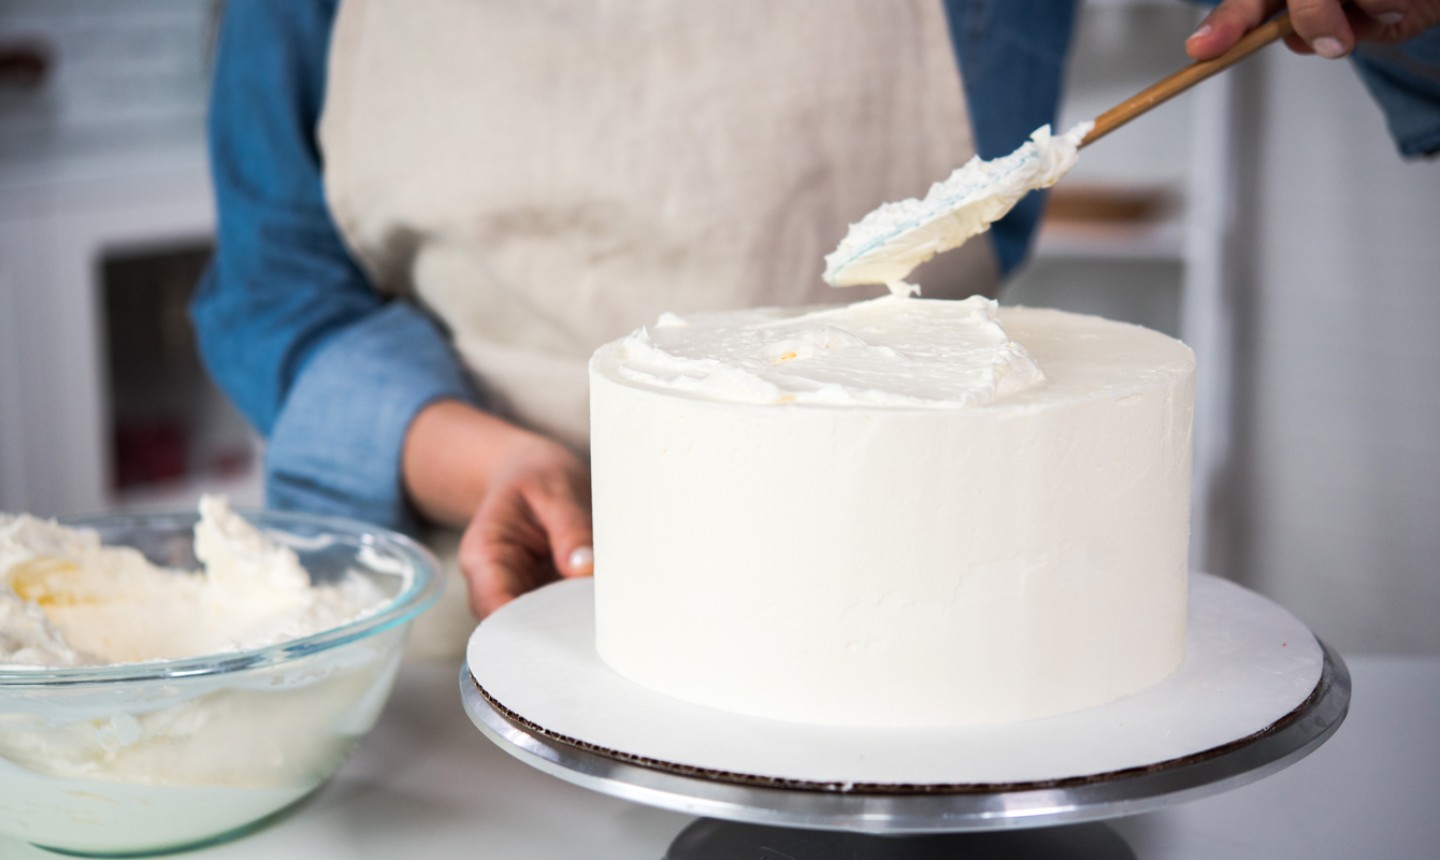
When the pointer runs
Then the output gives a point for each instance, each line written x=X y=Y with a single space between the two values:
x=1264 y=217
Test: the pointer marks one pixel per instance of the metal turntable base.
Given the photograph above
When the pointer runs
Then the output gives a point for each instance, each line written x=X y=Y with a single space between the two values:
x=749 y=814
x=708 y=839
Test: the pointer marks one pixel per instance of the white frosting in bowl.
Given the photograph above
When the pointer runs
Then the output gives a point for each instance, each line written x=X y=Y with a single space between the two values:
x=145 y=707
x=68 y=600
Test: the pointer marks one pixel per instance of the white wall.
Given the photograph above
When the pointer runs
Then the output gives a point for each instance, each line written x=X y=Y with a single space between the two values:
x=1336 y=489
x=103 y=157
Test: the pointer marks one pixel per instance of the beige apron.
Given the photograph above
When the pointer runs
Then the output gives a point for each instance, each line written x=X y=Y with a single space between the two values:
x=547 y=175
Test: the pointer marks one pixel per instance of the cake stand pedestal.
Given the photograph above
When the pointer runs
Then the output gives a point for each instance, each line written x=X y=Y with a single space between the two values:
x=1256 y=693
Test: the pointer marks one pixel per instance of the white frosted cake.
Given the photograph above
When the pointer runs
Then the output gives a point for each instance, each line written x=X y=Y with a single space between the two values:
x=901 y=512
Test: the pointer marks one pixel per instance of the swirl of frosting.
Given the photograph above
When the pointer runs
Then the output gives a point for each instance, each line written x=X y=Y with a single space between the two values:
x=892 y=351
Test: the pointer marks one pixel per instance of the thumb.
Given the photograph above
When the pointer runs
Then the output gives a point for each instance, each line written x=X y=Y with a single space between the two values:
x=1226 y=23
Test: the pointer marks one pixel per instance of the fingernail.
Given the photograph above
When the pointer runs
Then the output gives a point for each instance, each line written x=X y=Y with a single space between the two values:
x=1390 y=19
x=1202 y=30
x=582 y=560
x=1328 y=47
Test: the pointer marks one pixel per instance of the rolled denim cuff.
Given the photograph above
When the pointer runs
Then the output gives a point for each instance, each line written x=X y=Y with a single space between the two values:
x=336 y=445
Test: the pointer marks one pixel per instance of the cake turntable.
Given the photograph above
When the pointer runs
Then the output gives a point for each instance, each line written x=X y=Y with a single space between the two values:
x=1256 y=692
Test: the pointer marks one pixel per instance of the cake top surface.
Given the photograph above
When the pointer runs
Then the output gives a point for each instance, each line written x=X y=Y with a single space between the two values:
x=894 y=352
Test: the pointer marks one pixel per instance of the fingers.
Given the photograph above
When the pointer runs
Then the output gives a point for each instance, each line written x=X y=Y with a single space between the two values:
x=1391 y=21
x=1385 y=13
x=503 y=553
x=563 y=511
x=527 y=533
x=1321 y=26
x=1224 y=26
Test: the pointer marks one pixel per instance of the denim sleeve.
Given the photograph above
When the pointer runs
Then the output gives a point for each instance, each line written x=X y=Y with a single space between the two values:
x=336 y=446
x=1404 y=80
x=1012 y=61
x=288 y=326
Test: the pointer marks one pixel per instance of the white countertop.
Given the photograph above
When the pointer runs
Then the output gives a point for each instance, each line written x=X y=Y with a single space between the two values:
x=426 y=783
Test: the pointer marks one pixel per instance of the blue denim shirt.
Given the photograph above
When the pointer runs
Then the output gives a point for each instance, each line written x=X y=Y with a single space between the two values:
x=332 y=373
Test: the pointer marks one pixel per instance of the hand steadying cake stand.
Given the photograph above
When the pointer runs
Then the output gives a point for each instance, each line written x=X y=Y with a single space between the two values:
x=1256 y=692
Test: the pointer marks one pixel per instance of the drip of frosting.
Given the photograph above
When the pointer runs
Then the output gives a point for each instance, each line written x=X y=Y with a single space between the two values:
x=891 y=351
x=887 y=244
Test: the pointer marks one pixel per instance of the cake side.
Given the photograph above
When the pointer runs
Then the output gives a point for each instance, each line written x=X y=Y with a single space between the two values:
x=901 y=565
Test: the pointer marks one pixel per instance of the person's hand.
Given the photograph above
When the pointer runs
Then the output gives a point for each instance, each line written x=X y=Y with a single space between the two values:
x=523 y=500
x=532 y=527
x=1329 y=28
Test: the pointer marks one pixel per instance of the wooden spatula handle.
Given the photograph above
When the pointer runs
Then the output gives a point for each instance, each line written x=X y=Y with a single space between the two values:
x=1164 y=90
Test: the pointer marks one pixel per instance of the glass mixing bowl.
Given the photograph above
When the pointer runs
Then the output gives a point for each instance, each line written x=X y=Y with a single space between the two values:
x=154 y=756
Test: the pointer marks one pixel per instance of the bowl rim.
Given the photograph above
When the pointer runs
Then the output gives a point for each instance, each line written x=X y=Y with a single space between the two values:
x=420 y=592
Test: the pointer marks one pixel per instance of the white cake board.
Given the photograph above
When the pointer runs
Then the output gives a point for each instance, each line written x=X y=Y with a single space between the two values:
x=1248 y=664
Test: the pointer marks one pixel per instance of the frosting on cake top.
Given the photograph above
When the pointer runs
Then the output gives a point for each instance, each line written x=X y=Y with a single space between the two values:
x=890 y=351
